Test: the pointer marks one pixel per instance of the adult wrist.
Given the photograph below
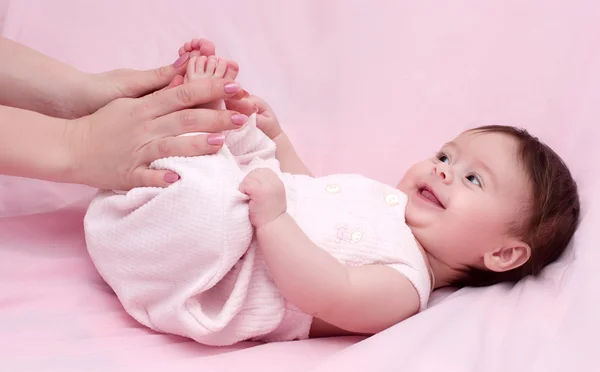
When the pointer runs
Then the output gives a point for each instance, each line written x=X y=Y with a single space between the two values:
x=73 y=143
x=75 y=100
x=37 y=146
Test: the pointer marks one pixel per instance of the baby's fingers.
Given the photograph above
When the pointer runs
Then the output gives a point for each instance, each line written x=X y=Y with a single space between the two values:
x=242 y=106
x=250 y=185
x=259 y=103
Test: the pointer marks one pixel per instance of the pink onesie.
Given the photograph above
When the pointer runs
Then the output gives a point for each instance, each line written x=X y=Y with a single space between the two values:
x=183 y=260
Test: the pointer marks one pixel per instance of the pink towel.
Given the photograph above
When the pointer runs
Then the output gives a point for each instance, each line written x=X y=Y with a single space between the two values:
x=180 y=259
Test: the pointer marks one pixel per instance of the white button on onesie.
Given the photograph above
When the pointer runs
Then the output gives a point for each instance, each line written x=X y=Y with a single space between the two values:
x=184 y=260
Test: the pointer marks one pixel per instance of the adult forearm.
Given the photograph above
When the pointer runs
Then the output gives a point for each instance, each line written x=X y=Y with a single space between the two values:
x=306 y=275
x=289 y=160
x=33 y=145
x=34 y=81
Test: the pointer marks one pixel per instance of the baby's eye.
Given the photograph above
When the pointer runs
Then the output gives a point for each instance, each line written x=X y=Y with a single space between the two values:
x=443 y=158
x=474 y=180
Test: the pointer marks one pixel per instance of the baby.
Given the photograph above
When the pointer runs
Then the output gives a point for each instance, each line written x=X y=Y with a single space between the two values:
x=248 y=245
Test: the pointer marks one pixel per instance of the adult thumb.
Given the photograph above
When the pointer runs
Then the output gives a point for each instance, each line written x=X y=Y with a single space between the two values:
x=137 y=83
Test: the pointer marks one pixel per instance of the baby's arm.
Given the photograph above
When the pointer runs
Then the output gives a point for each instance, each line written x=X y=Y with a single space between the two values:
x=364 y=300
x=289 y=160
x=266 y=121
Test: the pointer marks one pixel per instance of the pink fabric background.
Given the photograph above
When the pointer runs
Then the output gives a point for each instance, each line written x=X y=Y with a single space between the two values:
x=360 y=88
x=3 y=8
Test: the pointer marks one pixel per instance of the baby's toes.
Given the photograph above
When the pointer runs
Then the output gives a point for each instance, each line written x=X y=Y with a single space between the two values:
x=200 y=43
x=195 y=53
x=211 y=65
x=193 y=48
x=195 y=68
x=190 y=71
x=221 y=68
x=232 y=70
x=206 y=47
x=198 y=47
x=182 y=51
x=201 y=63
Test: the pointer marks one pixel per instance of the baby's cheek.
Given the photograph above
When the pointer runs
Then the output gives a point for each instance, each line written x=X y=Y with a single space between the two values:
x=482 y=226
x=409 y=179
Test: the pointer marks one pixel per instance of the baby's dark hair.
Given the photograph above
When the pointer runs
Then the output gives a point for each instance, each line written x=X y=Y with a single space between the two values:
x=551 y=219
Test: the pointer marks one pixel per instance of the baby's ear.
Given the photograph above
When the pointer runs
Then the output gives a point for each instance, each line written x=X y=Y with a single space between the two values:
x=513 y=254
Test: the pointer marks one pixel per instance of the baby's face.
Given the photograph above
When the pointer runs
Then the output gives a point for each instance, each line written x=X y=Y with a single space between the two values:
x=462 y=201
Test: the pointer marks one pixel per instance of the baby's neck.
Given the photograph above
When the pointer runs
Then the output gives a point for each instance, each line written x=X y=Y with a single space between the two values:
x=441 y=274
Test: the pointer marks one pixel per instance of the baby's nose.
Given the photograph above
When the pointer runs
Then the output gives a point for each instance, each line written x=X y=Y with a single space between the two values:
x=444 y=174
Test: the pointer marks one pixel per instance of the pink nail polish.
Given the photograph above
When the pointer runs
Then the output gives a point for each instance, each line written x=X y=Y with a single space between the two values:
x=239 y=119
x=232 y=88
x=216 y=139
x=171 y=177
x=181 y=60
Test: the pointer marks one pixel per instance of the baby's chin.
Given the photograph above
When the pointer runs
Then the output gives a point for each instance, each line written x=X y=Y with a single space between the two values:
x=419 y=227
x=414 y=218
x=418 y=231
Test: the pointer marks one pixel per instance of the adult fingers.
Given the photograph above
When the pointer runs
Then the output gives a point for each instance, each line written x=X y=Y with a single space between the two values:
x=197 y=120
x=188 y=146
x=145 y=177
x=177 y=81
x=188 y=95
x=138 y=83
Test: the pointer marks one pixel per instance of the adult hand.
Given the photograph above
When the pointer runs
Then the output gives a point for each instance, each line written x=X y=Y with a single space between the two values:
x=113 y=148
x=102 y=88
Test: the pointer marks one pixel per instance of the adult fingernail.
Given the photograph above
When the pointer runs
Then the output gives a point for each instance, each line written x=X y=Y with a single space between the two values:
x=216 y=139
x=171 y=177
x=232 y=88
x=181 y=60
x=239 y=119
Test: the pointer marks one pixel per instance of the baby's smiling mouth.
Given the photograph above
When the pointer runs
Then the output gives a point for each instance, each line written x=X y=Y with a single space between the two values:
x=426 y=193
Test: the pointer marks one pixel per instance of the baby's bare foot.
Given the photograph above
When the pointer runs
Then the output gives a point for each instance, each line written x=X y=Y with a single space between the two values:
x=203 y=67
x=197 y=47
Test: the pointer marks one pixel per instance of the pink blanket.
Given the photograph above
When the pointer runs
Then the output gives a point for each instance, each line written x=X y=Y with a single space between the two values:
x=383 y=84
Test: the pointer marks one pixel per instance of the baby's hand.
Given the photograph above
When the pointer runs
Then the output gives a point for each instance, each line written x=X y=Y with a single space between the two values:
x=267 y=196
x=265 y=117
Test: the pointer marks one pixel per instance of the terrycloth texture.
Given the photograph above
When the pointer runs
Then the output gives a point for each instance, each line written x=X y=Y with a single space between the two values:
x=174 y=256
x=183 y=260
